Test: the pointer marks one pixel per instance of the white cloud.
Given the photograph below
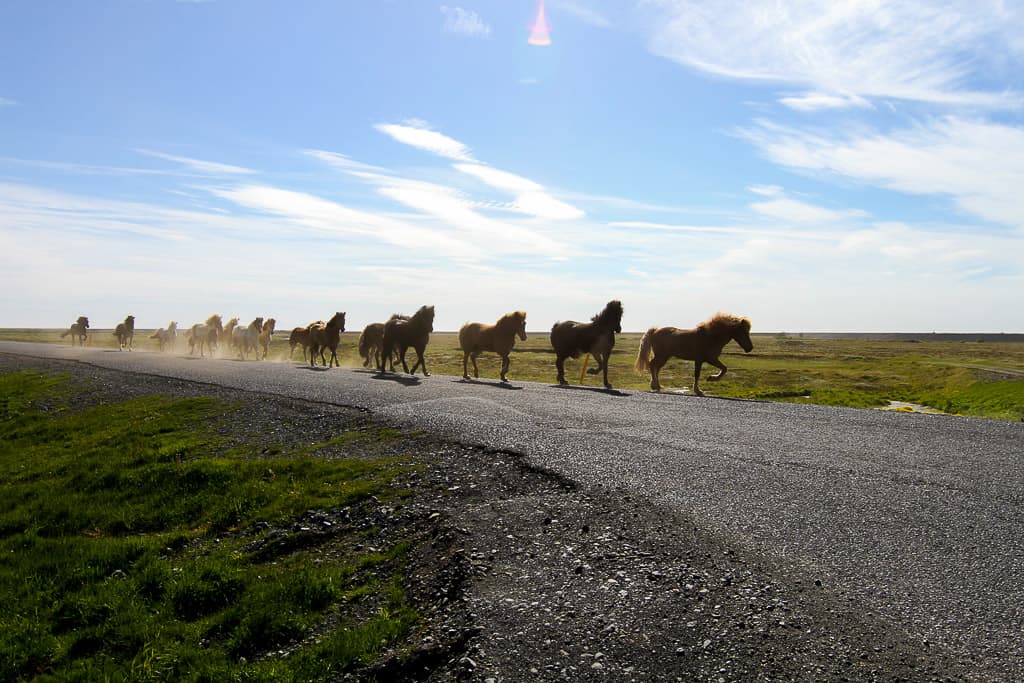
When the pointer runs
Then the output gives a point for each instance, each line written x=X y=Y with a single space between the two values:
x=820 y=101
x=416 y=134
x=582 y=12
x=4 y=102
x=464 y=22
x=848 y=52
x=801 y=212
x=210 y=167
x=314 y=212
x=979 y=164
x=531 y=197
x=341 y=161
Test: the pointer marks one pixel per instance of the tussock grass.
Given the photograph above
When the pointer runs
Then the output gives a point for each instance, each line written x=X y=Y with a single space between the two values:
x=123 y=547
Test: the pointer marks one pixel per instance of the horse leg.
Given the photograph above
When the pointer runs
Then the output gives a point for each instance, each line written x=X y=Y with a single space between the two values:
x=560 y=366
x=603 y=360
x=465 y=365
x=696 y=377
x=423 y=360
x=722 y=370
x=476 y=370
x=656 y=365
x=401 y=355
x=504 y=367
x=334 y=356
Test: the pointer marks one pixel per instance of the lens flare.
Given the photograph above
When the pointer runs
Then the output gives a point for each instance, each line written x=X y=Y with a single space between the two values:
x=540 y=32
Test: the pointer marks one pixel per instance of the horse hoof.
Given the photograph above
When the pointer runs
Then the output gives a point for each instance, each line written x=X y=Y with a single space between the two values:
x=465 y=377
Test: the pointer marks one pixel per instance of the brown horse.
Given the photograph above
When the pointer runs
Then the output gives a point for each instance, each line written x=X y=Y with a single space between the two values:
x=78 y=330
x=570 y=339
x=266 y=334
x=702 y=344
x=326 y=335
x=475 y=338
x=205 y=335
x=166 y=337
x=400 y=333
x=300 y=337
x=125 y=333
x=371 y=341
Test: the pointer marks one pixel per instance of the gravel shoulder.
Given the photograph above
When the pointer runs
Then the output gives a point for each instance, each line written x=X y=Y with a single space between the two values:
x=526 y=575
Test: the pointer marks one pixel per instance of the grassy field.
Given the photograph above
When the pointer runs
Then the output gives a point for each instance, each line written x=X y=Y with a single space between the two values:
x=970 y=377
x=135 y=544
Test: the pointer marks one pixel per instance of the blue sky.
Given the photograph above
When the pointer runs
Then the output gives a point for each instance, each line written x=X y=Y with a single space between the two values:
x=816 y=166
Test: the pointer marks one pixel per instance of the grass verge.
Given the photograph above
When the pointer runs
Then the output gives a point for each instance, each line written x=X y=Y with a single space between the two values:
x=135 y=545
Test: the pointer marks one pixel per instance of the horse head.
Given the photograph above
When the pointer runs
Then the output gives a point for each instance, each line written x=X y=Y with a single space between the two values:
x=520 y=317
x=742 y=335
x=426 y=315
x=338 y=321
x=610 y=317
x=83 y=321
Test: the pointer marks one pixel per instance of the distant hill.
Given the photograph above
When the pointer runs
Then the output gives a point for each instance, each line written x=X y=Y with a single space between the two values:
x=912 y=336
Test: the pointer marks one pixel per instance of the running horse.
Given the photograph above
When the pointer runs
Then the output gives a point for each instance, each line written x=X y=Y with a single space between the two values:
x=326 y=335
x=266 y=334
x=78 y=330
x=125 y=333
x=400 y=333
x=475 y=338
x=166 y=337
x=703 y=344
x=204 y=335
x=570 y=339
x=246 y=339
x=300 y=337
x=371 y=343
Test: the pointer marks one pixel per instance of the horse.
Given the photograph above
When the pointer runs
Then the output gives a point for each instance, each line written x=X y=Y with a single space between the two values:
x=300 y=337
x=77 y=331
x=400 y=333
x=223 y=336
x=474 y=338
x=205 y=334
x=570 y=339
x=703 y=344
x=371 y=340
x=327 y=335
x=166 y=337
x=266 y=334
x=125 y=333
x=245 y=339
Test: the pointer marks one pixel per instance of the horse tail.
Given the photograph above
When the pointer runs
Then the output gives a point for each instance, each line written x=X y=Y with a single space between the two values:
x=65 y=333
x=155 y=335
x=643 y=356
x=364 y=346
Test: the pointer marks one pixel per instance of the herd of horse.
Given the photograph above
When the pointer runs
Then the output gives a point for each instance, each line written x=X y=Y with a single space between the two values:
x=382 y=343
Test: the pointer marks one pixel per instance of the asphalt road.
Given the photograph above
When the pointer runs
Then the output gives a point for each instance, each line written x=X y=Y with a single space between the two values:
x=918 y=518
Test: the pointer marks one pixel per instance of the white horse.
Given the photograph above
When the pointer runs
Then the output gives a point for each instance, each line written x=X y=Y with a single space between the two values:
x=245 y=339
x=166 y=337
x=266 y=334
x=204 y=335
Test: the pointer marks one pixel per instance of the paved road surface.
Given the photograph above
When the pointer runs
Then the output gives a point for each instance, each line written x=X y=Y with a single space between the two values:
x=920 y=517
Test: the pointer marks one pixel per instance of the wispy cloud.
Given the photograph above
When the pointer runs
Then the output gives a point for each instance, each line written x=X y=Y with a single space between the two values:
x=92 y=169
x=210 y=167
x=5 y=102
x=417 y=134
x=979 y=164
x=464 y=22
x=582 y=12
x=847 y=52
x=530 y=198
x=796 y=211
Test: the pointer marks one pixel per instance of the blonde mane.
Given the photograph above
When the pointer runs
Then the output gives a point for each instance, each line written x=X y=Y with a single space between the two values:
x=723 y=322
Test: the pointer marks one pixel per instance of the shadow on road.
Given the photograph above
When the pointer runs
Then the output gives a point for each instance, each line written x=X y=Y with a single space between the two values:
x=486 y=383
x=400 y=379
x=314 y=368
x=599 y=390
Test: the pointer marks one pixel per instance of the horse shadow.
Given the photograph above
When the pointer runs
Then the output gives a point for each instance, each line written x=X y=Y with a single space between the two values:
x=599 y=390
x=314 y=368
x=482 y=383
x=400 y=379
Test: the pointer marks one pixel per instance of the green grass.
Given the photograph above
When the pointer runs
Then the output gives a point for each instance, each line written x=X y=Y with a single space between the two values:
x=977 y=378
x=124 y=547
